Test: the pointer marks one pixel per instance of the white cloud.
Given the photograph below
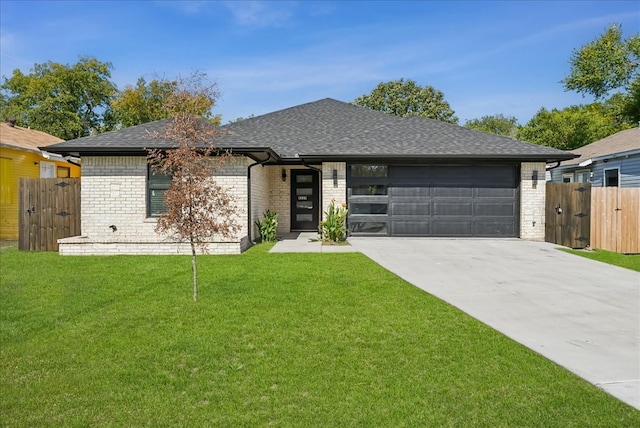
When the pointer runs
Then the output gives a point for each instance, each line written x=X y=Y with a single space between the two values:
x=260 y=14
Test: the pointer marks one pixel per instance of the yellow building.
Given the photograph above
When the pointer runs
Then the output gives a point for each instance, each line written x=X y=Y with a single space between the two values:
x=20 y=156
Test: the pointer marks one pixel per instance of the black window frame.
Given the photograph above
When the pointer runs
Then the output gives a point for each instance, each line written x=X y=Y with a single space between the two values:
x=156 y=182
x=606 y=177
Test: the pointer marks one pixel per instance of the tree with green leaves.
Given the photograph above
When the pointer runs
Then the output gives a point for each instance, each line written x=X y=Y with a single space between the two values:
x=569 y=128
x=198 y=210
x=498 y=124
x=68 y=101
x=608 y=63
x=145 y=102
x=407 y=98
x=142 y=103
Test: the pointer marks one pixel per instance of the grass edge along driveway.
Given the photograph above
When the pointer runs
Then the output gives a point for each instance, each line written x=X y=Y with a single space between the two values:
x=275 y=340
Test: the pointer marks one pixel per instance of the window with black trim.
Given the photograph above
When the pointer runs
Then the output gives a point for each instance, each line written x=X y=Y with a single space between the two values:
x=611 y=177
x=157 y=185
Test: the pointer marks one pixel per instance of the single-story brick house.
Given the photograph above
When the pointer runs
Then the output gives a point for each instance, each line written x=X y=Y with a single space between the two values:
x=613 y=161
x=399 y=176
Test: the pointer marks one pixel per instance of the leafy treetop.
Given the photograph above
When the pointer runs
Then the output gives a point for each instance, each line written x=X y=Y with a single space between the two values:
x=407 y=98
x=68 y=101
x=607 y=63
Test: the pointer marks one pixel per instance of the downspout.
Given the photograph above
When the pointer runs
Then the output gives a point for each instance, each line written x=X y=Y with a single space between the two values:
x=249 y=225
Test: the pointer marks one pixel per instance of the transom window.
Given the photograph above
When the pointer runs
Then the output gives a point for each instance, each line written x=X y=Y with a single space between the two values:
x=369 y=171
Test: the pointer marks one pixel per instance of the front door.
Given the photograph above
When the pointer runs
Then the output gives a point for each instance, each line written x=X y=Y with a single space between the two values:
x=304 y=199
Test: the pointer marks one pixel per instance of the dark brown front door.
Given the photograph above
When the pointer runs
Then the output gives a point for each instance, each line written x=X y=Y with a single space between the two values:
x=304 y=199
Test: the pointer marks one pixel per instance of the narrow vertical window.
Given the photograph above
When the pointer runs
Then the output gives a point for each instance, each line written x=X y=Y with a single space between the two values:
x=157 y=185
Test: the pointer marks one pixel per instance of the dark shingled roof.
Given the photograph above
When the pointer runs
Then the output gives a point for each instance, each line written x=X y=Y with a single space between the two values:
x=331 y=129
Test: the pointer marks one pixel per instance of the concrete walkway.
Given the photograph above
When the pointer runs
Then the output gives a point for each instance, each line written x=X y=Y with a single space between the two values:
x=579 y=313
x=307 y=242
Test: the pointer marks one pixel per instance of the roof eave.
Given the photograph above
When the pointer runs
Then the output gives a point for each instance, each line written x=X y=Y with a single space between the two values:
x=426 y=157
x=251 y=152
x=603 y=157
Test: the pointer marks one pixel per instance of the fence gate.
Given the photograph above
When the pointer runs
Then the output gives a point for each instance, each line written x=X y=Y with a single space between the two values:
x=49 y=209
x=568 y=214
x=616 y=214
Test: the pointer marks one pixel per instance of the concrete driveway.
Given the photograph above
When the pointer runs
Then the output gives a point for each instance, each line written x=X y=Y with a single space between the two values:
x=582 y=314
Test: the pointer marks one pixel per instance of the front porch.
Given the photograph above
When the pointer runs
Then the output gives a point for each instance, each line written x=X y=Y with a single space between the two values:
x=308 y=242
x=299 y=199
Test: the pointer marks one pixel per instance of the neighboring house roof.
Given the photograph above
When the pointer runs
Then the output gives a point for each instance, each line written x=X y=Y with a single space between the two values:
x=30 y=140
x=622 y=143
x=327 y=129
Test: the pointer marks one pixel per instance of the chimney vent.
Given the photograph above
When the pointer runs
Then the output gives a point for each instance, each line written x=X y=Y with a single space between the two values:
x=11 y=121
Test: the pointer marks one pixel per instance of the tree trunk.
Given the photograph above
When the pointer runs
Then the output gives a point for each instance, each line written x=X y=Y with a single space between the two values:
x=194 y=270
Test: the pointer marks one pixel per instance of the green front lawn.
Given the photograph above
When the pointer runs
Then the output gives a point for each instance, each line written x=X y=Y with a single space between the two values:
x=629 y=261
x=275 y=340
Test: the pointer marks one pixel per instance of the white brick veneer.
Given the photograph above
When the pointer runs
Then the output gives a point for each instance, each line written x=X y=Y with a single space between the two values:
x=532 y=199
x=114 y=193
x=329 y=191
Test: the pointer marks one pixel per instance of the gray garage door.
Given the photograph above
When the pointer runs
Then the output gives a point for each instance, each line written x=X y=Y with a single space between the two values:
x=434 y=200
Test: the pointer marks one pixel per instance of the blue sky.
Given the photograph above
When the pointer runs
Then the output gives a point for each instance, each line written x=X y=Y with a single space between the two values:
x=487 y=58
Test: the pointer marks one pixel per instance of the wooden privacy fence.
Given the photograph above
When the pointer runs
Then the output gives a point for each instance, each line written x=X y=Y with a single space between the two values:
x=49 y=209
x=578 y=216
x=615 y=224
x=567 y=214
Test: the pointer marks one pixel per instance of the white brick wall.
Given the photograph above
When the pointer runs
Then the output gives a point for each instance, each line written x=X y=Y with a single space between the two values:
x=113 y=192
x=280 y=196
x=329 y=190
x=259 y=197
x=532 y=200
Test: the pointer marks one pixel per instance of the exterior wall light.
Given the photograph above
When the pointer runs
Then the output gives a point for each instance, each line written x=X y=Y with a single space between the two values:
x=534 y=179
x=284 y=174
x=335 y=178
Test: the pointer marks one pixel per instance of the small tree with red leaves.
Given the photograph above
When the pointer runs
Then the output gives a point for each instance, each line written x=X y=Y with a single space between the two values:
x=198 y=210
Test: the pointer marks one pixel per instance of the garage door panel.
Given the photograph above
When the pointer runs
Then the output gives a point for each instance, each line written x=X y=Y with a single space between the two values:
x=368 y=227
x=495 y=192
x=401 y=227
x=410 y=192
x=410 y=208
x=493 y=228
x=460 y=192
x=444 y=227
x=455 y=209
x=495 y=210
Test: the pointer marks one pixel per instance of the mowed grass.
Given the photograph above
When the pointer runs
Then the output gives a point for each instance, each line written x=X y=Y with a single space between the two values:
x=629 y=261
x=292 y=340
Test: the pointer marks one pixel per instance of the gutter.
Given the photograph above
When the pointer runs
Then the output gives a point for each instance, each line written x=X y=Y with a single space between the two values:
x=440 y=157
